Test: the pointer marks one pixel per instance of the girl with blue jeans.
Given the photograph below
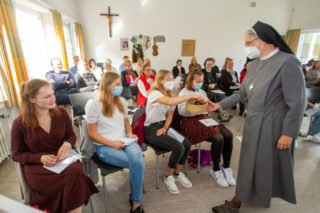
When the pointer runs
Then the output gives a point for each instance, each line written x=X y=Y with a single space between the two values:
x=108 y=127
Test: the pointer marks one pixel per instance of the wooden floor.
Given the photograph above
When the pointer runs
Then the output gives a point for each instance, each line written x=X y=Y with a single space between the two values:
x=204 y=194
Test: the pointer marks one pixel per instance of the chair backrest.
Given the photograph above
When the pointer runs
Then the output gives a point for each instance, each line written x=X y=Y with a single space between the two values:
x=80 y=99
x=86 y=146
x=137 y=115
x=138 y=126
x=25 y=190
x=313 y=94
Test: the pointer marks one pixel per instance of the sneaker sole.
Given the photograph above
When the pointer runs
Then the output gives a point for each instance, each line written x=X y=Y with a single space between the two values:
x=188 y=187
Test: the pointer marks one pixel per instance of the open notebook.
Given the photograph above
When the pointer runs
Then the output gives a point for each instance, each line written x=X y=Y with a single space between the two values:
x=63 y=164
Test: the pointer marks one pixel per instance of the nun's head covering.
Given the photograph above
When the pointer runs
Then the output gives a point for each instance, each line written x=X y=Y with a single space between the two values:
x=269 y=35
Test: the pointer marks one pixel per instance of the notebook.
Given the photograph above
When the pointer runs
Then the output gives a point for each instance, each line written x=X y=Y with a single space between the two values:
x=209 y=122
x=174 y=134
x=63 y=164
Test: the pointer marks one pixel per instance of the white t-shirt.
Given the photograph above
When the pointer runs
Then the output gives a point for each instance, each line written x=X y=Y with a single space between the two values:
x=182 y=107
x=155 y=111
x=109 y=127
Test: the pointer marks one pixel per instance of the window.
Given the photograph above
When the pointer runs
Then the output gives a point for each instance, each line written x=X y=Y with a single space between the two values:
x=33 y=42
x=69 y=46
x=309 y=46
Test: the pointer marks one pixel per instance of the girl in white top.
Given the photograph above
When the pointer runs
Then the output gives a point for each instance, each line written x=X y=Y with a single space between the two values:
x=159 y=114
x=220 y=137
x=109 y=127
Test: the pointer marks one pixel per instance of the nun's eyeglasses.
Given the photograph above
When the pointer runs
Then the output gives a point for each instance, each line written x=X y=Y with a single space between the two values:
x=248 y=43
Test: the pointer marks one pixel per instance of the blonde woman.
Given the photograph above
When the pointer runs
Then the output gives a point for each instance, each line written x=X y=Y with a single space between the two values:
x=159 y=114
x=109 y=127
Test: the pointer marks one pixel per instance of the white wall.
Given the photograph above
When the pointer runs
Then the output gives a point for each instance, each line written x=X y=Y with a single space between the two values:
x=218 y=26
x=306 y=15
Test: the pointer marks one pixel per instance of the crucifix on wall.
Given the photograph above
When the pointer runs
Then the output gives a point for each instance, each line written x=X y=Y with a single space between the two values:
x=109 y=15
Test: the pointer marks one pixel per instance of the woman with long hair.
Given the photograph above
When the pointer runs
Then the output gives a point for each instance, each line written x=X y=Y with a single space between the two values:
x=159 y=114
x=220 y=137
x=109 y=128
x=42 y=135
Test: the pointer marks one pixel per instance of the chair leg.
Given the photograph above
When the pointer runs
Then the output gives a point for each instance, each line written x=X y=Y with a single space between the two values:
x=104 y=192
x=186 y=168
x=199 y=157
x=157 y=172
x=91 y=205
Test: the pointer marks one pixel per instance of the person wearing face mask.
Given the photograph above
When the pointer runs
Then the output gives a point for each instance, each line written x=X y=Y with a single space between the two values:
x=108 y=126
x=159 y=114
x=220 y=137
x=274 y=89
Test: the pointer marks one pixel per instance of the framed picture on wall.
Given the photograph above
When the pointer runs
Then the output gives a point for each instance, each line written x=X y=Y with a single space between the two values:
x=188 y=47
x=124 y=44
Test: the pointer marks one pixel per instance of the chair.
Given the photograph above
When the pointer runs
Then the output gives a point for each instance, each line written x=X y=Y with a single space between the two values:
x=24 y=188
x=80 y=100
x=145 y=145
x=88 y=153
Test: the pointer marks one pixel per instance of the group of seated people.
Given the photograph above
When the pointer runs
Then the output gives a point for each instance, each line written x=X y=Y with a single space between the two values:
x=43 y=134
x=312 y=73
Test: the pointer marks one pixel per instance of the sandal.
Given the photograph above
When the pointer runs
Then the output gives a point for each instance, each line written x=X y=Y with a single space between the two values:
x=227 y=207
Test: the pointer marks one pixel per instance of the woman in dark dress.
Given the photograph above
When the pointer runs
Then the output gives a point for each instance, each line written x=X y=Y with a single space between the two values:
x=42 y=136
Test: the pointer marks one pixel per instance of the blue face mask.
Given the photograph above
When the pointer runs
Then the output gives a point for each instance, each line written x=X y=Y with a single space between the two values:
x=197 y=86
x=117 y=91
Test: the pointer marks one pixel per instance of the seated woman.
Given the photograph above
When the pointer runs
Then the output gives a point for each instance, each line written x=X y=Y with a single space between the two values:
x=139 y=66
x=229 y=80
x=159 y=114
x=178 y=69
x=145 y=81
x=129 y=79
x=313 y=74
x=220 y=137
x=85 y=78
x=108 y=126
x=194 y=65
x=42 y=136
x=96 y=70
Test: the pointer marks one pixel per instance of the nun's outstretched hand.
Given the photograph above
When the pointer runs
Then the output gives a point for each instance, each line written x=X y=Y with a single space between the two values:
x=284 y=142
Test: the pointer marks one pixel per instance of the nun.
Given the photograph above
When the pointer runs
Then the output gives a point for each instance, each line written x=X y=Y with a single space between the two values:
x=274 y=89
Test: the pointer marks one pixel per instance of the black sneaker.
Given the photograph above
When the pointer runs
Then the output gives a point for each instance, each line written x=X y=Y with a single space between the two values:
x=137 y=210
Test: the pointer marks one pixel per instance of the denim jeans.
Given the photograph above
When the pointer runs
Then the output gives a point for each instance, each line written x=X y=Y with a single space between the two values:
x=315 y=125
x=131 y=157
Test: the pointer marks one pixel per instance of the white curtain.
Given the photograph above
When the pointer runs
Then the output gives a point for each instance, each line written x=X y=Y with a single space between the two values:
x=4 y=149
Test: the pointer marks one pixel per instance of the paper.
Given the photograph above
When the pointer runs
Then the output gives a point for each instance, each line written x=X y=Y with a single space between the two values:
x=209 y=122
x=312 y=111
x=217 y=91
x=61 y=165
x=128 y=141
x=133 y=110
x=174 y=134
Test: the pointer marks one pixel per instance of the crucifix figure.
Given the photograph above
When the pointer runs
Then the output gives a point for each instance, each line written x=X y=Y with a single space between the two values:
x=109 y=15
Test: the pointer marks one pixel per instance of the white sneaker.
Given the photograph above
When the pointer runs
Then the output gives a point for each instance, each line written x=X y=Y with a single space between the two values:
x=229 y=176
x=171 y=185
x=183 y=180
x=219 y=177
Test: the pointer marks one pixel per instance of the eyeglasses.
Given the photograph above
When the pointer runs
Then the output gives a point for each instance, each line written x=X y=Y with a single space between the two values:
x=248 y=43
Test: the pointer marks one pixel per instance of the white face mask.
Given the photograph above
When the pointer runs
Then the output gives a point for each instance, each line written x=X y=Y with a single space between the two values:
x=169 y=85
x=252 y=52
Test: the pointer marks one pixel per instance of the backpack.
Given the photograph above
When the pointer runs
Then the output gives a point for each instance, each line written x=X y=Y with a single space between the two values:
x=205 y=158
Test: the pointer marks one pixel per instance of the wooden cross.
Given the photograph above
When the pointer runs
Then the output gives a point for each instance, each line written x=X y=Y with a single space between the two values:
x=109 y=15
